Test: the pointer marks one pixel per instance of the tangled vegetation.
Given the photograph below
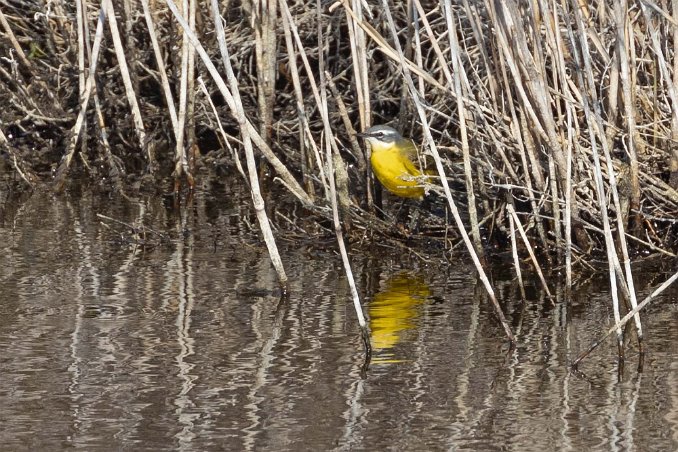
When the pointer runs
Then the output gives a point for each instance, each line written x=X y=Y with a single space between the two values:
x=552 y=125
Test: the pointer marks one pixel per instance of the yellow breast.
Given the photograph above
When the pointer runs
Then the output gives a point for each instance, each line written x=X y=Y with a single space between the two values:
x=396 y=172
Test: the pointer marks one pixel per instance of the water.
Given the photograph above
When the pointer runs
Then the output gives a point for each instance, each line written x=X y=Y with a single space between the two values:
x=185 y=344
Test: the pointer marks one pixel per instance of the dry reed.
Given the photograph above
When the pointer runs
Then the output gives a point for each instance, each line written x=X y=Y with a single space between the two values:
x=566 y=111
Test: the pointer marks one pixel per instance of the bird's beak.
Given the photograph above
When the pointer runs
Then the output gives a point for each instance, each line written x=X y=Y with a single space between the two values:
x=362 y=135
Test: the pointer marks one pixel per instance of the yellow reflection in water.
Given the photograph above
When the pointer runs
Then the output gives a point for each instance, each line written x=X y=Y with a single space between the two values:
x=393 y=311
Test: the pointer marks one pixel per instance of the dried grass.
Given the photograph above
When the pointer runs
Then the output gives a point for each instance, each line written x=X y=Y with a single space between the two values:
x=566 y=110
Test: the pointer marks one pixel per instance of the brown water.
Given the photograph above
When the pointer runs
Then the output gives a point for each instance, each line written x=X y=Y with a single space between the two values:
x=185 y=344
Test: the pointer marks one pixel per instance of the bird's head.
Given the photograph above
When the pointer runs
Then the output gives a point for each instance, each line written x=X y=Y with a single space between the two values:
x=381 y=136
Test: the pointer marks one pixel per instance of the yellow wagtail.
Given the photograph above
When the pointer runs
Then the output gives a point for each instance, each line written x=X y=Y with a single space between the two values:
x=392 y=162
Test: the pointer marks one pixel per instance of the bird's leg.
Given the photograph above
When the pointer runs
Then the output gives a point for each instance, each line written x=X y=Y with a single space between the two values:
x=414 y=222
x=402 y=208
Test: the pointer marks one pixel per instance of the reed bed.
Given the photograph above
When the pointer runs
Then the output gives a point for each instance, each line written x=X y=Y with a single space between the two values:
x=554 y=119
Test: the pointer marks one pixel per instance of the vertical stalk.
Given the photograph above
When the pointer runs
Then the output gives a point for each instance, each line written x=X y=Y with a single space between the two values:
x=461 y=111
x=514 y=252
x=594 y=129
x=358 y=46
x=265 y=14
x=127 y=82
x=623 y=27
x=167 y=90
x=332 y=154
x=67 y=158
x=180 y=160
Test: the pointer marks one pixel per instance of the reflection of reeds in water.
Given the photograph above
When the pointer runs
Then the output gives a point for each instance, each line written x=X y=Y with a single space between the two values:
x=393 y=311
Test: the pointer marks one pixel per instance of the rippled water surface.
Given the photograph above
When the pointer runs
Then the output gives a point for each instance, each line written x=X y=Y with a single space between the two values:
x=186 y=344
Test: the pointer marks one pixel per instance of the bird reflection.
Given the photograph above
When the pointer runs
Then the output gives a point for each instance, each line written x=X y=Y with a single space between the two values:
x=393 y=311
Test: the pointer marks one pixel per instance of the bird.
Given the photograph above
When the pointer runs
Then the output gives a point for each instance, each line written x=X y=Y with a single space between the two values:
x=392 y=162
